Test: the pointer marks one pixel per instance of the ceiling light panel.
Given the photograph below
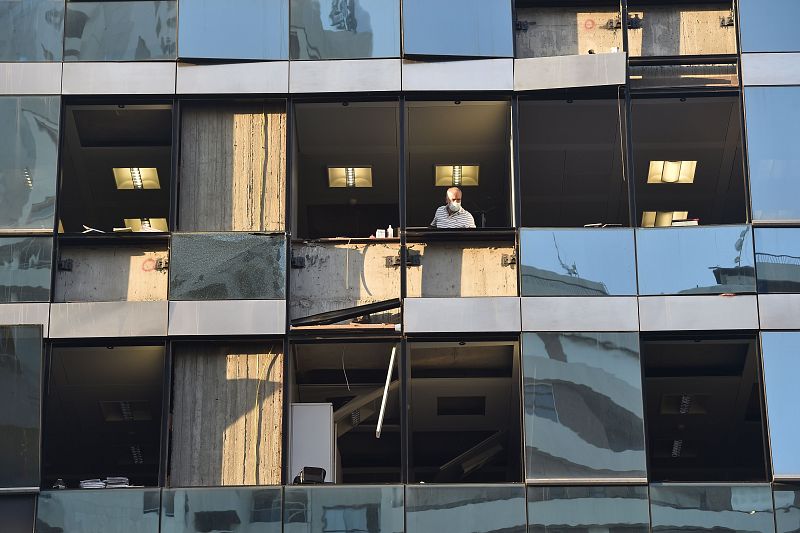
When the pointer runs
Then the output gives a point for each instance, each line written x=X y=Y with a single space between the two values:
x=350 y=177
x=456 y=175
x=671 y=171
x=136 y=178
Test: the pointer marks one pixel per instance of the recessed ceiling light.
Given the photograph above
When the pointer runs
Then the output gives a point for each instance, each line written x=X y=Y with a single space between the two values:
x=351 y=177
x=136 y=178
x=671 y=171
x=456 y=175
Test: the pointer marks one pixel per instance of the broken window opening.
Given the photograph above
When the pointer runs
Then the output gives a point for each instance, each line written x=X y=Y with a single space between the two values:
x=480 y=442
x=465 y=144
x=572 y=160
x=102 y=408
x=345 y=179
x=346 y=411
x=687 y=153
x=116 y=169
x=703 y=408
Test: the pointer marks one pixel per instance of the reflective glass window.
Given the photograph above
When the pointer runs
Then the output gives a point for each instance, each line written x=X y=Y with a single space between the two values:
x=31 y=30
x=18 y=512
x=28 y=158
x=787 y=510
x=781 y=354
x=720 y=508
x=476 y=28
x=221 y=509
x=769 y=25
x=699 y=260
x=777 y=259
x=544 y=30
x=773 y=125
x=582 y=509
x=25 y=264
x=121 y=31
x=344 y=29
x=465 y=508
x=20 y=396
x=99 y=511
x=250 y=29
x=227 y=266
x=376 y=509
x=583 y=406
x=577 y=262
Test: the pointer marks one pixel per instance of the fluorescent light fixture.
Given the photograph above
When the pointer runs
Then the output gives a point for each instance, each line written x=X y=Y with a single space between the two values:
x=26 y=173
x=353 y=177
x=136 y=178
x=456 y=175
x=147 y=224
x=671 y=171
x=661 y=219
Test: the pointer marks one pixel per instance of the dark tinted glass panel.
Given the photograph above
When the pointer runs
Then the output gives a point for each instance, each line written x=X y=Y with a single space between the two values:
x=25 y=269
x=17 y=512
x=583 y=406
x=248 y=29
x=577 y=262
x=20 y=394
x=99 y=511
x=583 y=509
x=458 y=28
x=31 y=30
x=769 y=25
x=700 y=28
x=227 y=266
x=344 y=509
x=717 y=508
x=545 y=31
x=781 y=353
x=121 y=31
x=28 y=158
x=773 y=125
x=787 y=510
x=344 y=29
x=700 y=260
x=465 y=509
x=221 y=509
x=778 y=259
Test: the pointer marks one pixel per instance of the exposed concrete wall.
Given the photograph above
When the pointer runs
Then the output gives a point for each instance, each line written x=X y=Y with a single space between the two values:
x=666 y=30
x=339 y=276
x=567 y=31
x=681 y=30
x=461 y=269
x=111 y=274
x=227 y=414
x=233 y=167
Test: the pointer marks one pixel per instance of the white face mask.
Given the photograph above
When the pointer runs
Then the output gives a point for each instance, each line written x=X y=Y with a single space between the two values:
x=454 y=206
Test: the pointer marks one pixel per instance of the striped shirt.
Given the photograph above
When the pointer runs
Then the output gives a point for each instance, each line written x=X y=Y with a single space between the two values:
x=461 y=219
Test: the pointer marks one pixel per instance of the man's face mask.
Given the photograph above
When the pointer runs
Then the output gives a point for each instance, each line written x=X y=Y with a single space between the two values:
x=454 y=206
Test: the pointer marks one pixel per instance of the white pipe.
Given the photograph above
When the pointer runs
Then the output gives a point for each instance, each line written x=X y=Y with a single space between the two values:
x=385 y=393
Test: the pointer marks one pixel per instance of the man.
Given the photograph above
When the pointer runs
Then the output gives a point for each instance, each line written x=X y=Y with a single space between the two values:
x=451 y=215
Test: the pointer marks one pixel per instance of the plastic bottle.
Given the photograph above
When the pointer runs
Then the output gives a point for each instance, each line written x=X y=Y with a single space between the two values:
x=389 y=232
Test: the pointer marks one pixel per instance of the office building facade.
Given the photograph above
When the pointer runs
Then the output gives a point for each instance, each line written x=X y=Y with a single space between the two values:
x=223 y=308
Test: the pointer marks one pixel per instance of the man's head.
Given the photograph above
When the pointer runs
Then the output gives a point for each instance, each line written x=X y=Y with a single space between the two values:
x=452 y=199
